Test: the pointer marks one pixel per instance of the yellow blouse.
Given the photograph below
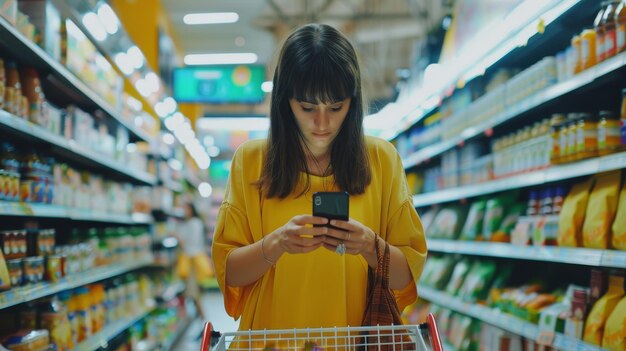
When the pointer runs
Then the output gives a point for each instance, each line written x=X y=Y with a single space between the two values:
x=321 y=288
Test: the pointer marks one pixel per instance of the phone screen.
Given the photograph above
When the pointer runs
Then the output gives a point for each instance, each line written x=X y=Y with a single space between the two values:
x=331 y=205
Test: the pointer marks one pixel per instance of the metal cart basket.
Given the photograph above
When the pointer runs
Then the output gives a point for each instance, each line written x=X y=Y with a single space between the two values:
x=422 y=337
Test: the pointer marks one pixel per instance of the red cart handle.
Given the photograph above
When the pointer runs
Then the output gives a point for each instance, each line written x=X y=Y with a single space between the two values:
x=432 y=328
x=205 y=345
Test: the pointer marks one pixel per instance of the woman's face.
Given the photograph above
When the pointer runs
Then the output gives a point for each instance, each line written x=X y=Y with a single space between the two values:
x=319 y=123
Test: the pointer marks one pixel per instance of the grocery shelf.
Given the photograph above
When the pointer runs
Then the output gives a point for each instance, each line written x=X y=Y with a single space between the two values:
x=85 y=156
x=550 y=174
x=581 y=256
x=97 y=216
x=501 y=320
x=20 y=295
x=22 y=209
x=101 y=339
x=174 y=186
x=182 y=326
x=29 y=53
x=544 y=96
x=172 y=291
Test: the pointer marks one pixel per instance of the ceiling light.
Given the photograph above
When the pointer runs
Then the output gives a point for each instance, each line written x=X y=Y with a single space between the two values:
x=108 y=19
x=153 y=81
x=221 y=59
x=168 y=138
x=214 y=151
x=211 y=18
x=205 y=189
x=267 y=86
x=240 y=41
x=135 y=56
x=123 y=63
x=94 y=26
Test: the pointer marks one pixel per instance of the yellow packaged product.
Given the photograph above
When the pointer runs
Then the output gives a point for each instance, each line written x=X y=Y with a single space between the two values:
x=597 y=319
x=572 y=214
x=614 y=337
x=601 y=210
x=619 y=225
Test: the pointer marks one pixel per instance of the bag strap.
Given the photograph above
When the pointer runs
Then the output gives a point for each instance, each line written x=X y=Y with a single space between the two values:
x=383 y=259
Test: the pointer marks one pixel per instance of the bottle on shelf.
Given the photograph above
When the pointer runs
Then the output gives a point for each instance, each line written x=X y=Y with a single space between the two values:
x=608 y=133
x=597 y=24
x=620 y=19
x=586 y=136
x=576 y=54
x=555 y=151
x=609 y=28
x=587 y=48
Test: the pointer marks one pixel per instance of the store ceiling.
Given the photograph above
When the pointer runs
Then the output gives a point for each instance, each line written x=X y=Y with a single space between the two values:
x=384 y=32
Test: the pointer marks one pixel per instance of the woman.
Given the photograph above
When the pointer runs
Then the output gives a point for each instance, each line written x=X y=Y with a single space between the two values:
x=275 y=268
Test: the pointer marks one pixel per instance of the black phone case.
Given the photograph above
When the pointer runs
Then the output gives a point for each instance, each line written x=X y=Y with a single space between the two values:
x=332 y=205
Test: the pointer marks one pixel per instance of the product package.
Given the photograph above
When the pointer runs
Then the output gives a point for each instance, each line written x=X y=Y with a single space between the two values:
x=601 y=210
x=448 y=222
x=472 y=230
x=572 y=215
x=596 y=321
x=458 y=276
x=619 y=225
x=614 y=337
x=478 y=281
x=508 y=224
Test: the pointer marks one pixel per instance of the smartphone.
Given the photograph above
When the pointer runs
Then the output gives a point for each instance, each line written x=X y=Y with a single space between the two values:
x=332 y=205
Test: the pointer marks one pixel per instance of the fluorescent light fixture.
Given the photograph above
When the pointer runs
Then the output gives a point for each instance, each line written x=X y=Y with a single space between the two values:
x=138 y=121
x=108 y=18
x=213 y=151
x=267 y=86
x=211 y=18
x=123 y=63
x=134 y=104
x=221 y=59
x=153 y=81
x=160 y=109
x=94 y=26
x=135 y=57
x=205 y=189
x=208 y=140
x=175 y=164
x=168 y=138
x=142 y=87
x=233 y=123
x=170 y=104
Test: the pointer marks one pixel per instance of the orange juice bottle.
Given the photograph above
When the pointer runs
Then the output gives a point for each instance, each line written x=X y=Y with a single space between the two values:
x=588 y=48
x=577 y=55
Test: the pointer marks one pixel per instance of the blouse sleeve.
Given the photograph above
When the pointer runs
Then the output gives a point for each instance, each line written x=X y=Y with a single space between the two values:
x=405 y=230
x=232 y=231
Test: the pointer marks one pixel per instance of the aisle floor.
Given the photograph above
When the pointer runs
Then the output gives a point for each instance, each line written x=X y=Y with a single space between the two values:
x=213 y=305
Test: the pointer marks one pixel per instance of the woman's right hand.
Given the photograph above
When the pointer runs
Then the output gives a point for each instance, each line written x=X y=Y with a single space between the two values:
x=297 y=236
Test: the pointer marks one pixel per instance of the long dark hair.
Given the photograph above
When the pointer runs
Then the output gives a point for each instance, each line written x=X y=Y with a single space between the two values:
x=316 y=64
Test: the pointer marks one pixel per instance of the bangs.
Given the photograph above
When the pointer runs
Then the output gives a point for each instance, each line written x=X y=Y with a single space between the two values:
x=322 y=81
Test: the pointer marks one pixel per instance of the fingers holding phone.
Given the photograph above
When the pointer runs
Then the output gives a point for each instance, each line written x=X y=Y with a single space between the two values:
x=302 y=234
x=353 y=235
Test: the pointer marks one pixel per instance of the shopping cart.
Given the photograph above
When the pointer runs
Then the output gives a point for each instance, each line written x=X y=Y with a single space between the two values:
x=422 y=337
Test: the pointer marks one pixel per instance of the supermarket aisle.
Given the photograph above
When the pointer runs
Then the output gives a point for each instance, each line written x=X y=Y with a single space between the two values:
x=214 y=308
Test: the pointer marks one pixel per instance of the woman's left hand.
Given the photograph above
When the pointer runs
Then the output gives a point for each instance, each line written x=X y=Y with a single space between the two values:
x=356 y=237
